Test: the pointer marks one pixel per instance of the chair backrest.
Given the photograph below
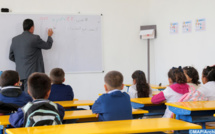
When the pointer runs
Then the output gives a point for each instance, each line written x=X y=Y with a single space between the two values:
x=7 y=108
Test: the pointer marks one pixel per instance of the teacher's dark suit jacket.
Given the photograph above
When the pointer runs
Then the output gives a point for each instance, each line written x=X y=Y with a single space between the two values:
x=26 y=52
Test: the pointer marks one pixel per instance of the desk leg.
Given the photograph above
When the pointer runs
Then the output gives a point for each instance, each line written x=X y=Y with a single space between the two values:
x=177 y=117
x=127 y=88
x=174 y=116
x=1 y=129
x=204 y=125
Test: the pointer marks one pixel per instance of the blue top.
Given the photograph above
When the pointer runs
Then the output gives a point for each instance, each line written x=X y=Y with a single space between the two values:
x=113 y=106
x=13 y=94
x=17 y=119
x=61 y=92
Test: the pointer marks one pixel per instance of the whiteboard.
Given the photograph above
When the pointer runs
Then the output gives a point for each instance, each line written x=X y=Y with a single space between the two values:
x=77 y=45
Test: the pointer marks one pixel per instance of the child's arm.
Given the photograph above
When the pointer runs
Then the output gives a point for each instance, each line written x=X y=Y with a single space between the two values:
x=17 y=119
x=96 y=108
x=156 y=99
x=61 y=111
x=71 y=93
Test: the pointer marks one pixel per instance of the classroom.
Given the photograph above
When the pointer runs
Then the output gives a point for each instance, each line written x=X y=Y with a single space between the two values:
x=122 y=48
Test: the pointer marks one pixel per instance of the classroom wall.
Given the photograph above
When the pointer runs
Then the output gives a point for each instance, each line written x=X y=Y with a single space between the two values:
x=122 y=48
x=185 y=49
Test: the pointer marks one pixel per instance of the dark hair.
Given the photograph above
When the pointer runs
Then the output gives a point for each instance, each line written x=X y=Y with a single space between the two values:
x=9 y=78
x=114 y=79
x=192 y=73
x=177 y=75
x=57 y=75
x=209 y=73
x=38 y=85
x=27 y=24
x=141 y=84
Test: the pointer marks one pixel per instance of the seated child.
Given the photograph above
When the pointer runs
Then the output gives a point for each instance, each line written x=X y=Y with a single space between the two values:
x=208 y=79
x=10 y=89
x=114 y=105
x=59 y=91
x=140 y=87
x=192 y=76
x=177 y=88
x=41 y=111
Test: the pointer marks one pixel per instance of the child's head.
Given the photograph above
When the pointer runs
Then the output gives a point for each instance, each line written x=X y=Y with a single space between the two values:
x=191 y=74
x=113 y=80
x=9 y=78
x=39 y=86
x=208 y=74
x=176 y=75
x=57 y=76
x=142 y=86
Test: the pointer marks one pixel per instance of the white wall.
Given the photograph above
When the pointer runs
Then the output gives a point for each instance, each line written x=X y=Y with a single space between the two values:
x=186 y=49
x=123 y=50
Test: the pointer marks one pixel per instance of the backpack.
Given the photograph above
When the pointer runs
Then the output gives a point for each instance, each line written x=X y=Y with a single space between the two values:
x=193 y=95
x=41 y=113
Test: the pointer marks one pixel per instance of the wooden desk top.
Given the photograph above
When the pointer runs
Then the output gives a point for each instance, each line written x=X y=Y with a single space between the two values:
x=157 y=87
x=152 y=86
x=194 y=106
x=123 y=126
x=127 y=85
x=142 y=100
x=75 y=103
x=78 y=114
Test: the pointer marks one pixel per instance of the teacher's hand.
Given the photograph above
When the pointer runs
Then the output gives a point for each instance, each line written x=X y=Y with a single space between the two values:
x=50 y=32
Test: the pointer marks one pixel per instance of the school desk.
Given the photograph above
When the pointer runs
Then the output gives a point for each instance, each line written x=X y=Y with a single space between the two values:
x=78 y=114
x=195 y=112
x=160 y=88
x=110 y=127
x=127 y=85
x=146 y=104
x=66 y=104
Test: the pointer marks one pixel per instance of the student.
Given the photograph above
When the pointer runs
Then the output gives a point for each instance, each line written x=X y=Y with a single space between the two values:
x=177 y=88
x=59 y=91
x=140 y=87
x=208 y=79
x=192 y=77
x=10 y=89
x=34 y=113
x=114 y=105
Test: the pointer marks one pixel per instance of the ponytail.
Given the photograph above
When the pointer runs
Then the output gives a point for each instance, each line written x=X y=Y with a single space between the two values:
x=177 y=75
x=141 y=85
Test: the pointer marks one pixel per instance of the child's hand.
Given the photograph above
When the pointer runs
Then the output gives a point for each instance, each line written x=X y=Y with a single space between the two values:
x=97 y=115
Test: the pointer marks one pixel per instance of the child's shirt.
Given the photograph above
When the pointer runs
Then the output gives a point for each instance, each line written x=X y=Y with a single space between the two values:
x=17 y=119
x=61 y=92
x=114 y=105
x=208 y=89
x=171 y=94
x=133 y=91
x=13 y=94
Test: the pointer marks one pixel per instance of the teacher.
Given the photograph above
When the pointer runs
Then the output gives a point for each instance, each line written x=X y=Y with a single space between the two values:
x=25 y=51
